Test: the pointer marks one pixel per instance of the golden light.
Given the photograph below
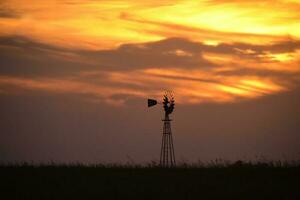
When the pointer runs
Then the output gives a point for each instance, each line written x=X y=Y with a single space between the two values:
x=105 y=25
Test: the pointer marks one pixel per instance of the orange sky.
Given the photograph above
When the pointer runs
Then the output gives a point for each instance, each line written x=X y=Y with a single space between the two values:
x=234 y=49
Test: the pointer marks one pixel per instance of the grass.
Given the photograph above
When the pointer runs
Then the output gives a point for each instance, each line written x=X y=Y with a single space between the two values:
x=214 y=180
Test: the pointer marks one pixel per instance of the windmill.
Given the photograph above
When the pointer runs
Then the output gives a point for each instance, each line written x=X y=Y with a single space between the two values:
x=167 y=155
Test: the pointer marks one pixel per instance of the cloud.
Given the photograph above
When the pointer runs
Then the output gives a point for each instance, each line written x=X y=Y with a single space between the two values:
x=106 y=24
x=183 y=53
x=24 y=57
x=8 y=13
x=199 y=72
x=173 y=29
x=163 y=54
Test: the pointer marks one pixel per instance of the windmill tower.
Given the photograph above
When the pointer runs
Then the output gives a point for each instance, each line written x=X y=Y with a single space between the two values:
x=167 y=154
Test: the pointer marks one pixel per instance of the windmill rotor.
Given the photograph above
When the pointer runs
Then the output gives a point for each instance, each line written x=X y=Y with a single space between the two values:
x=168 y=102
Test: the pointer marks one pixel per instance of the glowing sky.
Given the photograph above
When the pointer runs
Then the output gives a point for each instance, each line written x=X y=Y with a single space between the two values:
x=212 y=50
x=117 y=52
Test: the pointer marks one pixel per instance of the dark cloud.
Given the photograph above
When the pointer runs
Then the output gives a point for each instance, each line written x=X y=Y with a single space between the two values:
x=240 y=49
x=20 y=55
x=161 y=54
x=184 y=78
x=23 y=42
x=23 y=56
x=8 y=12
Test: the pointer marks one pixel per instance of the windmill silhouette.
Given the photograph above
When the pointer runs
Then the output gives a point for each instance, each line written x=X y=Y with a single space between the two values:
x=167 y=154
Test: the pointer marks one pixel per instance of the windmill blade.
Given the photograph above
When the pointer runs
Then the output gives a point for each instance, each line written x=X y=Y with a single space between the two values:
x=151 y=102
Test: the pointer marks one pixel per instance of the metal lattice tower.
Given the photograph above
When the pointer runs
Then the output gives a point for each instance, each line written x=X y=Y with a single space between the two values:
x=167 y=154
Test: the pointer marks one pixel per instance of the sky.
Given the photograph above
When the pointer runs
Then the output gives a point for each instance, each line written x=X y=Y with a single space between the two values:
x=75 y=76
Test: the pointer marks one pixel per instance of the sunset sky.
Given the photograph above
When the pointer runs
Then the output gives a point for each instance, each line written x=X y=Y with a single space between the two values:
x=75 y=76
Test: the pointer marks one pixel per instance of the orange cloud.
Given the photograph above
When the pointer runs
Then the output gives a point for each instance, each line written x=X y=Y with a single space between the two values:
x=96 y=92
x=107 y=24
x=195 y=86
x=206 y=51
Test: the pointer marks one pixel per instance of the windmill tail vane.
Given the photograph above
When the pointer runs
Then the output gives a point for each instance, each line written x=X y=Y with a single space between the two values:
x=151 y=102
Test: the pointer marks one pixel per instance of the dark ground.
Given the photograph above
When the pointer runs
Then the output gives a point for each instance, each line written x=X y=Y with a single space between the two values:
x=235 y=181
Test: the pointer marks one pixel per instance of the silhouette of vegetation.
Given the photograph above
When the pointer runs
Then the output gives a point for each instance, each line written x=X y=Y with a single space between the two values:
x=214 y=180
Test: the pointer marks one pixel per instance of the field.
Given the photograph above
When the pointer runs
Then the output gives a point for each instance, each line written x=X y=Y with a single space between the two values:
x=215 y=181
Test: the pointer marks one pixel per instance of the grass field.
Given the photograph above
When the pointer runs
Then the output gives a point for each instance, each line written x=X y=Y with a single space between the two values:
x=215 y=181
